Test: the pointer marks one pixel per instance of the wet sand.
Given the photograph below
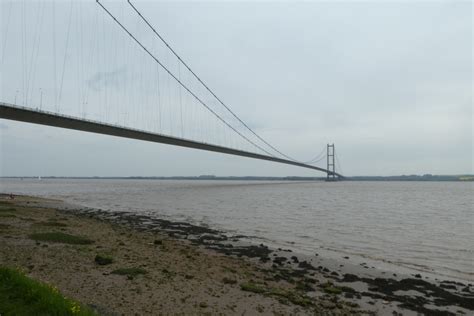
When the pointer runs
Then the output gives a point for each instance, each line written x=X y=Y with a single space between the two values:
x=199 y=270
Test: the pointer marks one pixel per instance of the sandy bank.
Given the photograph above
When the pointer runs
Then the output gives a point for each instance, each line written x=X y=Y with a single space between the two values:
x=197 y=270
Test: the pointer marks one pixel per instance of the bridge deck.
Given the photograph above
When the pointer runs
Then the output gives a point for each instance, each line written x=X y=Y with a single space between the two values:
x=18 y=113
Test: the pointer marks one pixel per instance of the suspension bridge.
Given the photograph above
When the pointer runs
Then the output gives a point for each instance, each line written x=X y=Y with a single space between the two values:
x=106 y=69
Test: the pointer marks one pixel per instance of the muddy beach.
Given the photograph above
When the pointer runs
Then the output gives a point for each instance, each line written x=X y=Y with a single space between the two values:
x=189 y=269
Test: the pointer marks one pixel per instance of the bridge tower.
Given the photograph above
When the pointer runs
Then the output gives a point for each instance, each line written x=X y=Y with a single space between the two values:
x=331 y=164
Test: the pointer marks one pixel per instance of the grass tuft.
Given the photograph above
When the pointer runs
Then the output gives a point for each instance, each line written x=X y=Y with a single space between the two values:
x=252 y=287
x=103 y=260
x=51 y=224
x=331 y=289
x=61 y=238
x=7 y=209
x=21 y=295
x=284 y=296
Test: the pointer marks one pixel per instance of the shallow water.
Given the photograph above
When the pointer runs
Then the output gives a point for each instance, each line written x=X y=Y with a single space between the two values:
x=417 y=226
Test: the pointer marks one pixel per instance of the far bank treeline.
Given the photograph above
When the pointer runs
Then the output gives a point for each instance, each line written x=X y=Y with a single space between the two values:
x=425 y=177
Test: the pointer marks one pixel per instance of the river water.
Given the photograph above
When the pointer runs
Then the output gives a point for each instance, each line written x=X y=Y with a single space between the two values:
x=417 y=226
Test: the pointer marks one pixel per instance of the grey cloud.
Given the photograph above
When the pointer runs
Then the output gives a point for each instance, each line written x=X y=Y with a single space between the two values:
x=114 y=78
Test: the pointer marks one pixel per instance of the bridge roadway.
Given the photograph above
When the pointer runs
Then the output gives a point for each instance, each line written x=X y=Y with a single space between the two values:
x=23 y=114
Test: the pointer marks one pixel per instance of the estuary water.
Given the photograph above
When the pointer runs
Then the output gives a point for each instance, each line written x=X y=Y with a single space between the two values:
x=415 y=226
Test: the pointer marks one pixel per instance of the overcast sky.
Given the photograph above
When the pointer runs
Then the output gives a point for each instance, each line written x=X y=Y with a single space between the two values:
x=390 y=83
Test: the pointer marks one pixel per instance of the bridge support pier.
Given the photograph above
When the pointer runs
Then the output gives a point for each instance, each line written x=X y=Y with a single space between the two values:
x=331 y=164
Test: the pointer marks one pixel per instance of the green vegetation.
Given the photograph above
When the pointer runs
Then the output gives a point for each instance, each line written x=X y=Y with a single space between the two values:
x=331 y=289
x=130 y=272
x=7 y=209
x=252 y=287
x=227 y=269
x=304 y=286
x=414 y=177
x=169 y=274
x=51 y=224
x=282 y=295
x=61 y=238
x=7 y=215
x=20 y=295
x=291 y=296
x=103 y=260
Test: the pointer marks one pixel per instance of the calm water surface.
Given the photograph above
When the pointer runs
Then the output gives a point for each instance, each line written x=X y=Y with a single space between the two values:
x=420 y=226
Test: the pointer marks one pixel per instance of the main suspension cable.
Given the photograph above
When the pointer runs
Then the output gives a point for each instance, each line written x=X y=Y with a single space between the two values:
x=204 y=85
x=177 y=80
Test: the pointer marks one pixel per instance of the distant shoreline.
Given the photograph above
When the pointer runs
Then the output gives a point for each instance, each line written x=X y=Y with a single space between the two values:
x=421 y=178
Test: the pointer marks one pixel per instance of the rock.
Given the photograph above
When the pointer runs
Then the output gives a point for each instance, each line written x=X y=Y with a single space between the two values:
x=466 y=290
x=279 y=260
x=350 y=278
x=306 y=265
x=448 y=286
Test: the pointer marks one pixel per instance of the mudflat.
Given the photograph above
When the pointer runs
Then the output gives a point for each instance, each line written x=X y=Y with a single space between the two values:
x=123 y=264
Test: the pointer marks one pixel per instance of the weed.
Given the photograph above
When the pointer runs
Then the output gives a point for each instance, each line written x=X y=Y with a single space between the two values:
x=22 y=295
x=103 y=260
x=51 y=224
x=331 y=289
x=226 y=269
x=252 y=287
x=7 y=209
